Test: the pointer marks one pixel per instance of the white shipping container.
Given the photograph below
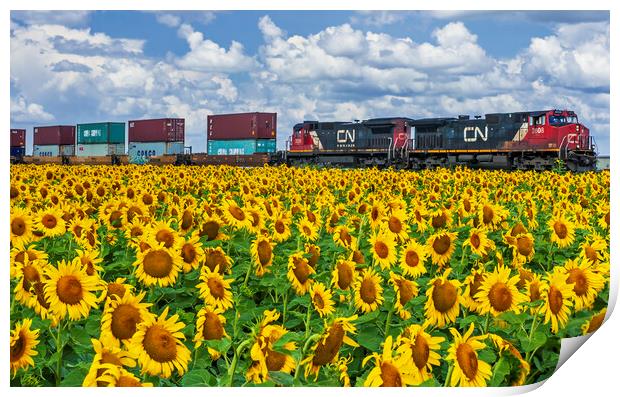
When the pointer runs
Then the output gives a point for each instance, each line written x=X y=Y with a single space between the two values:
x=53 y=150
x=152 y=149
x=100 y=149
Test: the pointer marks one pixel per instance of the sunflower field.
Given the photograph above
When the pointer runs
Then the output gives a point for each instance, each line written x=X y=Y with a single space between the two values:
x=276 y=276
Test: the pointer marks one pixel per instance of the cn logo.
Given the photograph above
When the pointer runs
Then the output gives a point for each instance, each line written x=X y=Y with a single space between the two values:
x=344 y=136
x=471 y=134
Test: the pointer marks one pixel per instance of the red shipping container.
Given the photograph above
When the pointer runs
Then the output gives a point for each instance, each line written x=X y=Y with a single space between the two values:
x=242 y=126
x=157 y=130
x=18 y=138
x=54 y=135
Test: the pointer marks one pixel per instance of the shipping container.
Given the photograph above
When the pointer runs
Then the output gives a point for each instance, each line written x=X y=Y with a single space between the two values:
x=157 y=130
x=54 y=135
x=101 y=133
x=53 y=150
x=99 y=149
x=151 y=149
x=242 y=126
x=241 y=146
x=17 y=151
x=18 y=138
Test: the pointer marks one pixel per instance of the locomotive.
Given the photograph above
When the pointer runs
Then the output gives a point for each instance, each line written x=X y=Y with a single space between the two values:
x=522 y=140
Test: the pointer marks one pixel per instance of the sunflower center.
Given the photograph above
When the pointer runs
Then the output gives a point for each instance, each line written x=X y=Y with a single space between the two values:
x=147 y=199
x=49 y=221
x=390 y=375
x=216 y=288
x=301 y=270
x=395 y=225
x=467 y=205
x=468 y=360
x=186 y=220
x=115 y=219
x=420 y=352
x=31 y=276
x=374 y=213
x=358 y=257
x=345 y=237
x=18 y=226
x=188 y=252
x=525 y=245
x=556 y=300
x=166 y=237
x=236 y=212
x=406 y=291
x=264 y=251
x=475 y=241
x=14 y=192
x=500 y=297
x=311 y=216
x=125 y=319
x=280 y=227
x=441 y=245
x=411 y=258
x=517 y=229
x=212 y=328
x=368 y=291
x=275 y=360
x=596 y=322
x=214 y=259
x=345 y=275
x=314 y=256
x=210 y=229
x=474 y=286
x=160 y=344
x=534 y=292
x=78 y=231
x=38 y=289
x=69 y=290
x=109 y=358
x=318 y=301
x=439 y=221
x=326 y=350
x=306 y=230
x=19 y=347
x=116 y=289
x=444 y=295
x=157 y=263
x=591 y=254
x=381 y=249
x=560 y=229
x=578 y=277
x=487 y=214
x=127 y=381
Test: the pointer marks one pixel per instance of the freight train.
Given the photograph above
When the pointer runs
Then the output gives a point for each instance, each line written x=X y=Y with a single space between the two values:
x=522 y=140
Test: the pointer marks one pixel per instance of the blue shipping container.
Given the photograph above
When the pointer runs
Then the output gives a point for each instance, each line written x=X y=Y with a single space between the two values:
x=18 y=151
x=151 y=149
x=240 y=146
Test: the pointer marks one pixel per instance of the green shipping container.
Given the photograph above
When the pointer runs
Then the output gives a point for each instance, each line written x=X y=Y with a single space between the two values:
x=101 y=133
x=241 y=146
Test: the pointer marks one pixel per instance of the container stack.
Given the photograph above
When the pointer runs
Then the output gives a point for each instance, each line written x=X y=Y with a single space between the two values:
x=100 y=139
x=155 y=137
x=241 y=133
x=54 y=141
x=18 y=143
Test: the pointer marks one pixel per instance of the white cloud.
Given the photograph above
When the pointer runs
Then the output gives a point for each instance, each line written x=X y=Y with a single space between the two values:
x=169 y=20
x=22 y=111
x=268 y=28
x=378 y=18
x=67 y=18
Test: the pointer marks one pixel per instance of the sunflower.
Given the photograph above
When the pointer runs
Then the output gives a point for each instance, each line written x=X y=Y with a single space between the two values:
x=186 y=220
x=262 y=254
x=235 y=215
x=604 y=216
x=121 y=317
x=405 y=291
x=594 y=249
x=106 y=356
x=89 y=260
x=562 y=231
x=21 y=225
x=69 y=290
x=116 y=289
x=210 y=326
x=383 y=248
x=505 y=346
x=412 y=259
x=498 y=293
x=396 y=225
x=23 y=343
x=136 y=211
x=472 y=284
x=522 y=247
x=441 y=246
x=49 y=221
x=479 y=242
x=594 y=323
x=443 y=303
x=389 y=371
x=321 y=299
x=342 y=237
x=342 y=367
x=211 y=228
x=558 y=298
x=344 y=274
x=468 y=369
x=307 y=229
x=421 y=350
x=368 y=291
x=586 y=282
x=440 y=218
x=216 y=258
x=491 y=216
x=192 y=253
x=158 y=346
x=534 y=286
x=22 y=251
x=325 y=350
x=28 y=273
x=299 y=271
x=419 y=217
x=281 y=227
x=214 y=289
x=376 y=214
x=115 y=376
x=163 y=233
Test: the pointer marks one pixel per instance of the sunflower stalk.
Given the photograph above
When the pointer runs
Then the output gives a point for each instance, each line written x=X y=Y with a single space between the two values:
x=59 y=349
x=388 y=322
x=308 y=319
x=311 y=339
x=449 y=375
x=233 y=367
x=247 y=274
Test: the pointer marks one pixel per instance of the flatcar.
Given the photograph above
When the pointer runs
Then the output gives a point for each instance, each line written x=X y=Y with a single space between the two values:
x=520 y=140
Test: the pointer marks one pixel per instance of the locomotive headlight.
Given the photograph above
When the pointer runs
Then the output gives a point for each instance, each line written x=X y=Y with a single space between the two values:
x=577 y=128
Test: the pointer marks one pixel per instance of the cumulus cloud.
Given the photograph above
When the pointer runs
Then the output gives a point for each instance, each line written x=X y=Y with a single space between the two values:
x=66 y=18
x=22 y=111
x=378 y=18
x=169 y=20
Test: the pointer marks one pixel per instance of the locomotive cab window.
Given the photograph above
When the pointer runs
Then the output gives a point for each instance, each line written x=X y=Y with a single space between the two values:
x=538 y=120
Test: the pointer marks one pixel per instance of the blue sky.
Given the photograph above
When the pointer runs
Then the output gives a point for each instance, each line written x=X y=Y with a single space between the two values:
x=71 y=67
